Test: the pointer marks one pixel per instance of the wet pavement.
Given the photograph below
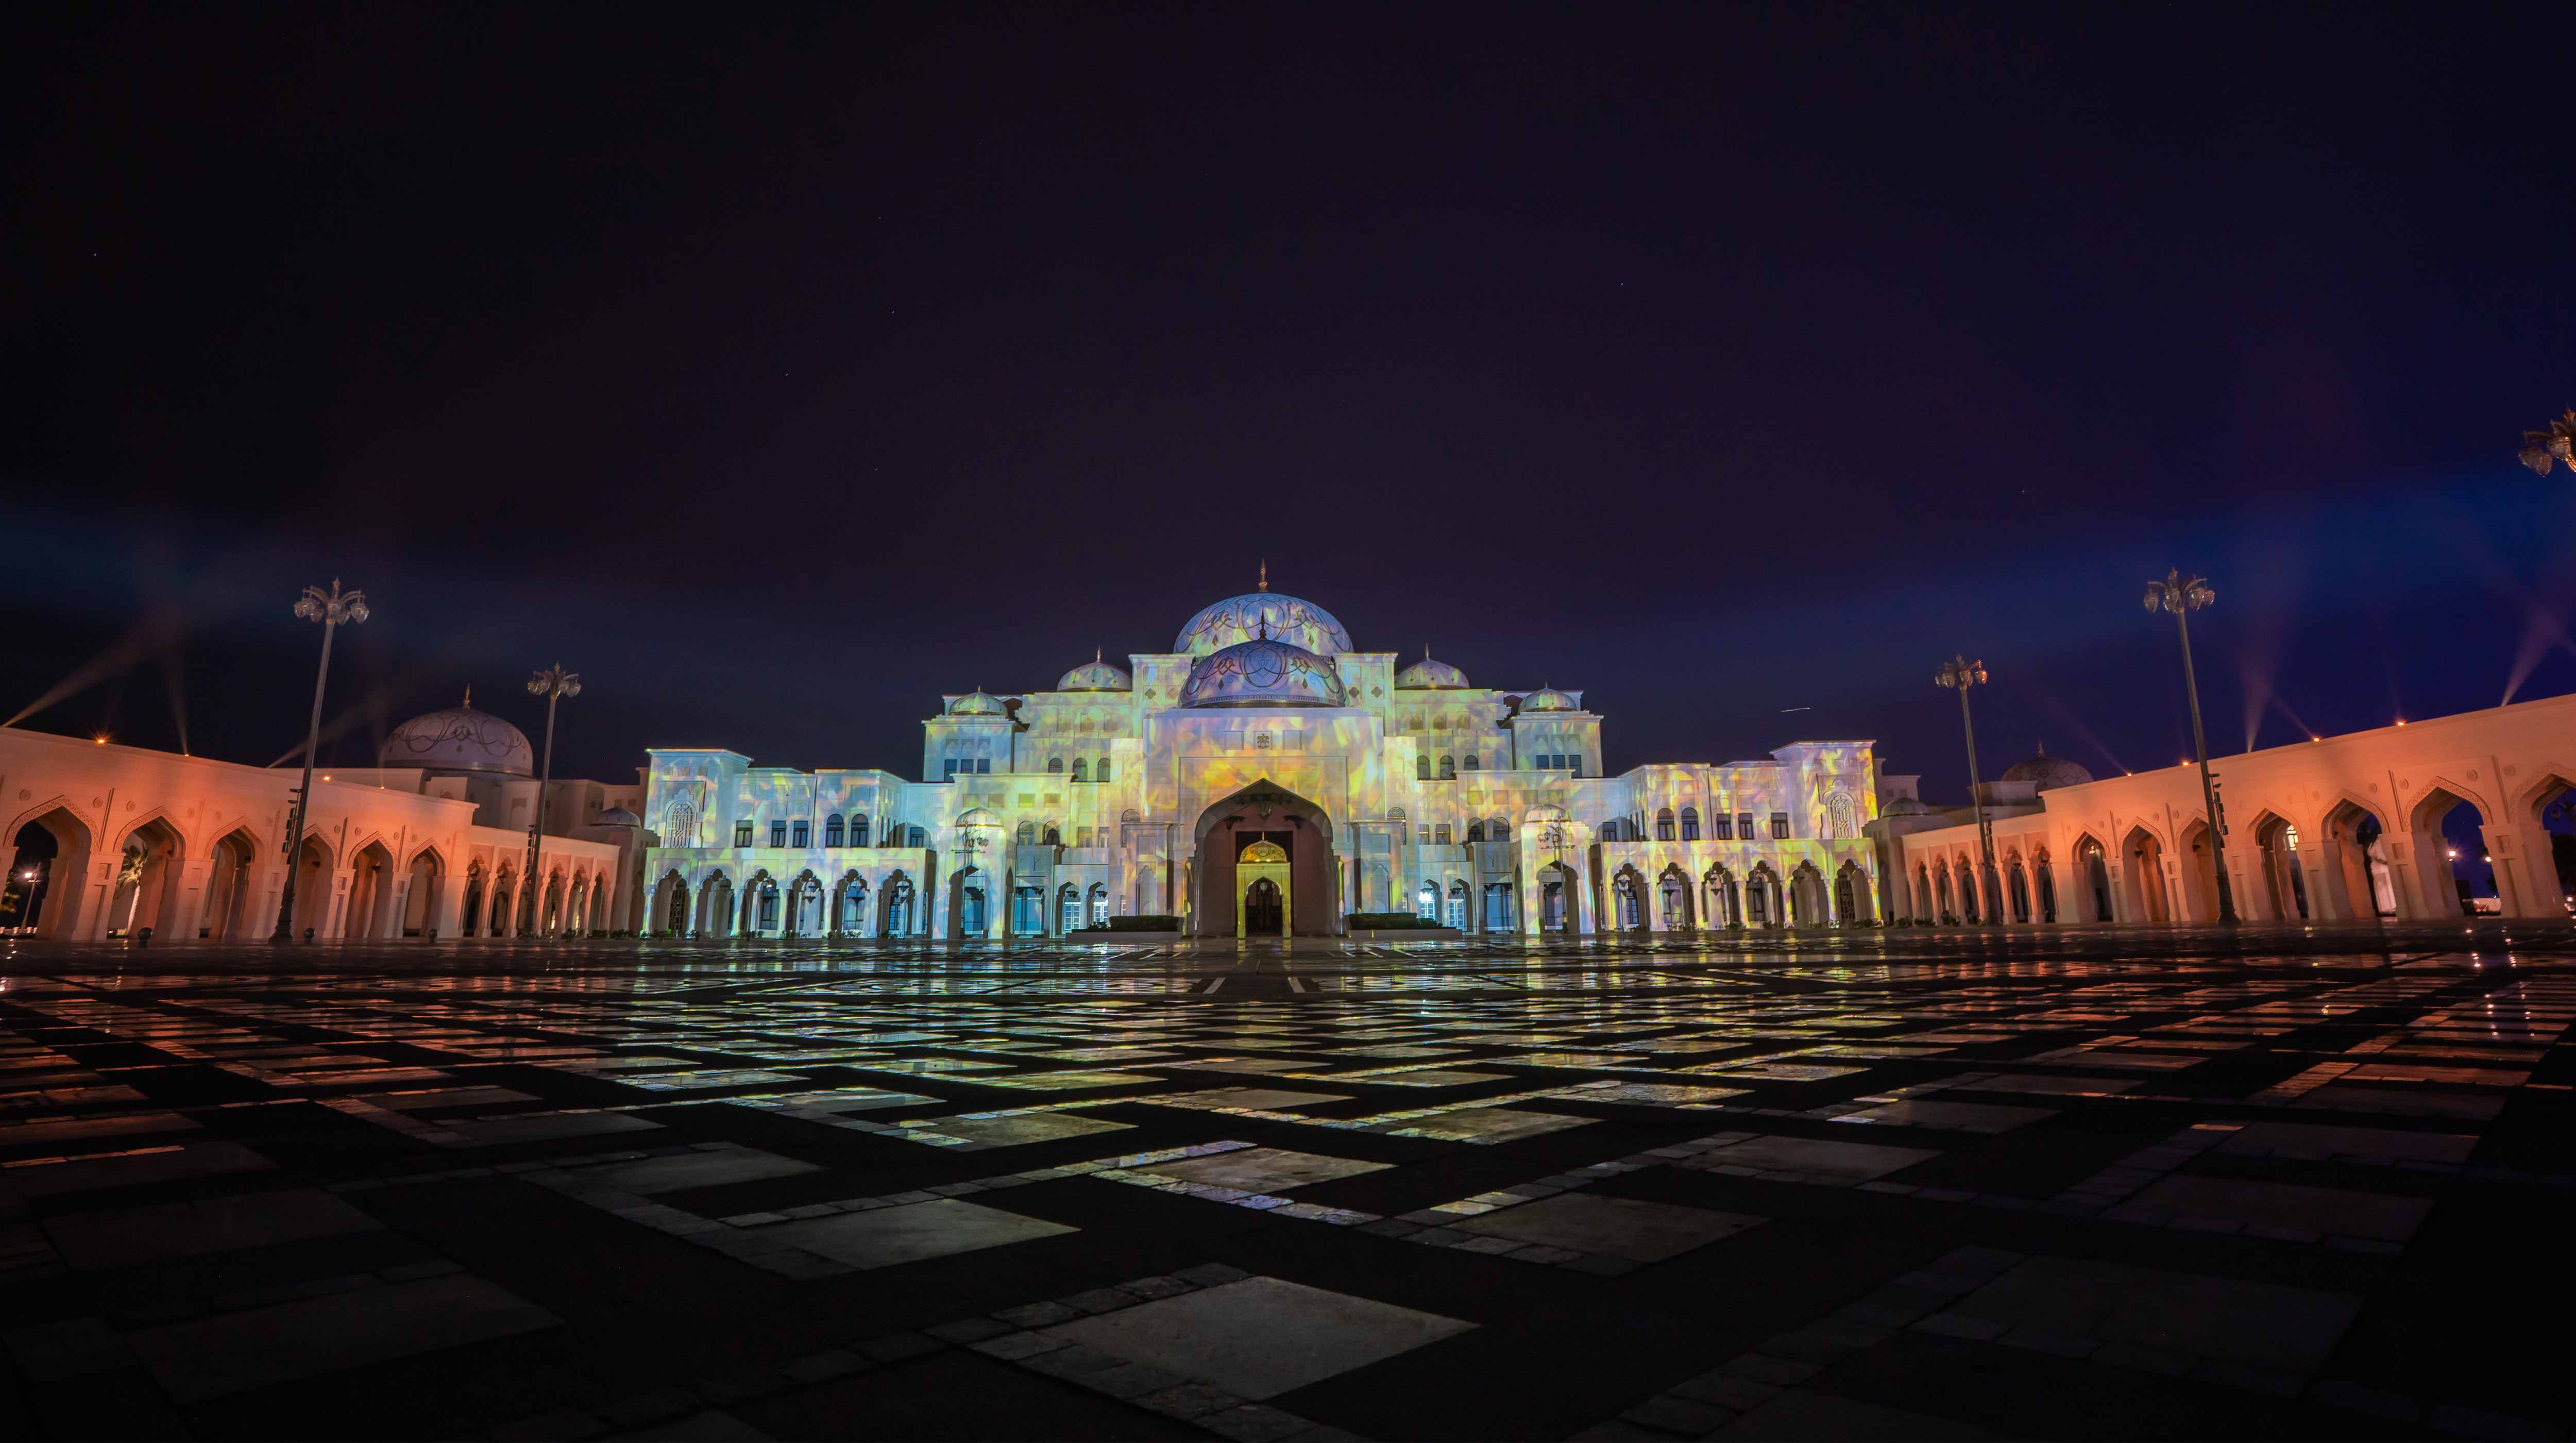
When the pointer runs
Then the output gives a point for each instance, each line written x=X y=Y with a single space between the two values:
x=1910 y=1184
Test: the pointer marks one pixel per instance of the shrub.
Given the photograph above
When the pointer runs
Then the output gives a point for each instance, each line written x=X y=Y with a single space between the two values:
x=1390 y=921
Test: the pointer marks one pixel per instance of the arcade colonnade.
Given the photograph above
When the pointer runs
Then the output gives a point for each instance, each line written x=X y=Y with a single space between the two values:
x=2343 y=829
x=108 y=840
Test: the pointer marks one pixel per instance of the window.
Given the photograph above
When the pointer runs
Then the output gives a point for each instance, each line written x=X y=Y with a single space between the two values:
x=1664 y=824
x=1028 y=833
x=742 y=834
x=1448 y=769
x=1457 y=914
x=832 y=830
x=1744 y=826
x=1690 y=824
x=1475 y=831
x=1725 y=826
x=778 y=834
x=1427 y=902
x=1055 y=764
x=916 y=837
x=858 y=831
x=1471 y=763
x=804 y=834
x=1053 y=836
x=947 y=768
x=1574 y=766
x=983 y=764
x=1100 y=773
x=1779 y=826
x=1440 y=834
x=1081 y=767
x=1421 y=768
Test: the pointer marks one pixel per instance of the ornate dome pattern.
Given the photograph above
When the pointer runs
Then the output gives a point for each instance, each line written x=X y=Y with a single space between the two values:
x=977 y=817
x=1095 y=675
x=1429 y=675
x=978 y=702
x=1903 y=807
x=460 y=739
x=1263 y=616
x=1547 y=698
x=1263 y=673
x=617 y=817
x=2047 y=771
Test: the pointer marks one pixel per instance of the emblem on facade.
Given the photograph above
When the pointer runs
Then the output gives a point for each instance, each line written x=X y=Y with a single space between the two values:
x=1261 y=741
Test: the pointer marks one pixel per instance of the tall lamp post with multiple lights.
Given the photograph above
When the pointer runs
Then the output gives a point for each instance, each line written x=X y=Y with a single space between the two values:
x=2183 y=595
x=2554 y=444
x=334 y=609
x=1959 y=674
x=554 y=684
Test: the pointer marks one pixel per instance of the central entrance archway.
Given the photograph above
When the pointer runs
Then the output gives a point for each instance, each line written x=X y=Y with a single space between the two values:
x=1305 y=873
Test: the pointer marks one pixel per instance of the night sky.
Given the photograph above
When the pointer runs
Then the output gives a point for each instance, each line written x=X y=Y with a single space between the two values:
x=779 y=374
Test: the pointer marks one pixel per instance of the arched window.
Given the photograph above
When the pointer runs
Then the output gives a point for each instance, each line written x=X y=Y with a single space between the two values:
x=1471 y=763
x=1054 y=836
x=1427 y=902
x=1055 y=764
x=858 y=831
x=832 y=830
x=1475 y=831
x=1664 y=824
x=1690 y=824
x=1448 y=769
x=1081 y=769
x=1100 y=773
x=680 y=827
x=1028 y=833
x=915 y=837
x=1421 y=767
x=1457 y=914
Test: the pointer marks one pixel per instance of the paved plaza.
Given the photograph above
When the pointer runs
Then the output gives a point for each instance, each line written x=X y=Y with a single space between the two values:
x=1912 y=1184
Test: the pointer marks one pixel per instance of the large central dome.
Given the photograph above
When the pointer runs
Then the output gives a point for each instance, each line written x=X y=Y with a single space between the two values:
x=460 y=739
x=1263 y=673
x=1263 y=616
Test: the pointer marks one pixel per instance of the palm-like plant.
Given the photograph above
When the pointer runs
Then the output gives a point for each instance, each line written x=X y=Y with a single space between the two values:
x=2551 y=447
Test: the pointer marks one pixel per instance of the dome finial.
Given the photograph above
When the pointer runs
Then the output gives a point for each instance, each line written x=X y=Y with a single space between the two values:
x=469 y=696
x=1265 y=575
x=1095 y=655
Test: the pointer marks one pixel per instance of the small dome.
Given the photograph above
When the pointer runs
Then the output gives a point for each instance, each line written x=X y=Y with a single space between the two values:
x=1095 y=675
x=977 y=817
x=1543 y=813
x=1429 y=675
x=1264 y=852
x=2046 y=771
x=617 y=817
x=460 y=739
x=1548 y=698
x=1903 y=807
x=1263 y=616
x=1263 y=673
x=978 y=702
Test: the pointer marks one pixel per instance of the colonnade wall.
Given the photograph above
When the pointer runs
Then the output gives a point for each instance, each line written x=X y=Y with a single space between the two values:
x=2343 y=829
x=193 y=849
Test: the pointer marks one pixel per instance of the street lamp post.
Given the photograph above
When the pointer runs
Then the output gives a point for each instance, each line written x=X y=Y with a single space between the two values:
x=554 y=684
x=1959 y=674
x=2183 y=595
x=2552 y=445
x=333 y=608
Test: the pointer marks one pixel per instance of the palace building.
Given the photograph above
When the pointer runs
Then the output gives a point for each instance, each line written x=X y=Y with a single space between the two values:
x=1263 y=776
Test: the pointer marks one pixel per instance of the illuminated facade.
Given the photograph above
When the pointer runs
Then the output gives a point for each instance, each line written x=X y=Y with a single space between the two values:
x=1139 y=790
x=108 y=840
x=2337 y=829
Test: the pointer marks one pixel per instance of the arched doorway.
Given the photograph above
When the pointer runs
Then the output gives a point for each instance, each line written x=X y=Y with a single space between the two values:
x=1028 y=910
x=850 y=910
x=2199 y=879
x=1763 y=904
x=2143 y=857
x=2017 y=890
x=1851 y=895
x=2447 y=862
x=2096 y=870
x=147 y=880
x=228 y=888
x=2549 y=808
x=2358 y=885
x=670 y=906
x=895 y=907
x=969 y=903
x=1310 y=889
x=2044 y=878
x=51 y=852
x=1498 y=907
x=420 y=897
x=1722 y=909
x=1807 y=895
